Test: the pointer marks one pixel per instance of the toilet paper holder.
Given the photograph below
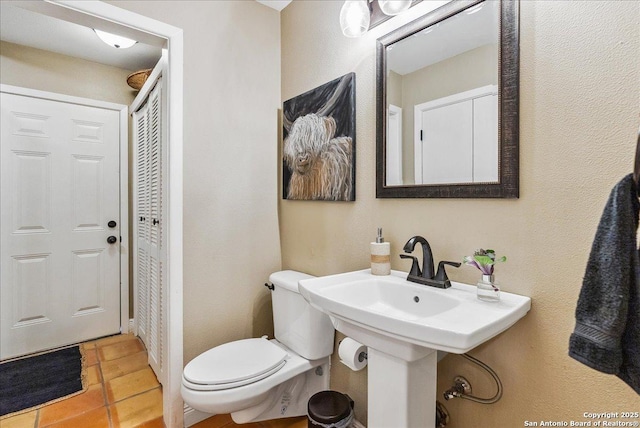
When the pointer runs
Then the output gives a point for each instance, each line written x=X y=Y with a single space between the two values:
x=362 y=356
x=353 y=354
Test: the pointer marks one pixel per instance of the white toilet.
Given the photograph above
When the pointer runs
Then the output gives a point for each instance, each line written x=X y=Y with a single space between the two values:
x=260 y=379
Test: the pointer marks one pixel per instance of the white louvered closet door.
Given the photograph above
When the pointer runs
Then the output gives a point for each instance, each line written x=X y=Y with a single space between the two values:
x=141 y=266
x=150 y=249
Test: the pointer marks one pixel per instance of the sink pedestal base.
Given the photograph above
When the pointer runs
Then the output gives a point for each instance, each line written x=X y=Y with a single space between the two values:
x=401 y=393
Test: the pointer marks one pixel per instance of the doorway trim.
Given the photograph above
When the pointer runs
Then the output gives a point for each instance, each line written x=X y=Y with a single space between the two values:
x=89 y=13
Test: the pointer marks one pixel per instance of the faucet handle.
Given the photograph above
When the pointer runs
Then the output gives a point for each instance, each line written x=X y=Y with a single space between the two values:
x=442 y=273
x=415 y=267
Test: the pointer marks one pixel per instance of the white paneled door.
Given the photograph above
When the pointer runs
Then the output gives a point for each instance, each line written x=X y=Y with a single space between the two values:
x=456 y=138
x=447 y=144
x=60 y=218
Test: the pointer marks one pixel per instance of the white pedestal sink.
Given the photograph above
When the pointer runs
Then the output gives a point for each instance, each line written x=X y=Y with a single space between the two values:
x=403 y=324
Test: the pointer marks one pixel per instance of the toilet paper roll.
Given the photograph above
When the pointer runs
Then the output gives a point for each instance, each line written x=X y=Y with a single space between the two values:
x=352 y=354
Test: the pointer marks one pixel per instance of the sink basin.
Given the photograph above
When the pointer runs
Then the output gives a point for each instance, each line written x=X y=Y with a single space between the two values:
x=392 y=308
x=403 y=324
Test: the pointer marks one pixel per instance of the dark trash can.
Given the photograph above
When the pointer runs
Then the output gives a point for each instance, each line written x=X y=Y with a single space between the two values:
x=330 y=409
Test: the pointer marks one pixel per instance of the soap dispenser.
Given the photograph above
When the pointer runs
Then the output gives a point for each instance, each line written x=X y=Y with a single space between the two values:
x=380 y=256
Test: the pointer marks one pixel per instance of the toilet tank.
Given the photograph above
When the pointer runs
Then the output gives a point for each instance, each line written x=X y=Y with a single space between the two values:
x=297 y=325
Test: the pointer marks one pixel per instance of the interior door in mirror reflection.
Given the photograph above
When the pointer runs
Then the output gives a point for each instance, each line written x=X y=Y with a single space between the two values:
x=455 y=138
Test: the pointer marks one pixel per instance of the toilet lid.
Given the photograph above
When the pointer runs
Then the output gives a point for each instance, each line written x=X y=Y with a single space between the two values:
x=234 y=364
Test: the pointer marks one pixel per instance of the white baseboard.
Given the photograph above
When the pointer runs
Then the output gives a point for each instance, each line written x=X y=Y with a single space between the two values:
x=130 y=326
x=193 y=416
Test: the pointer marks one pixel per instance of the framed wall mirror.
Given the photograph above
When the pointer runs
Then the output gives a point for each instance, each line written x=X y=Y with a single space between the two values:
x=448 y=103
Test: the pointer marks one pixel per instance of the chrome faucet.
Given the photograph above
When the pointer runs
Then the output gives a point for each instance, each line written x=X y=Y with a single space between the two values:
x=425 y=275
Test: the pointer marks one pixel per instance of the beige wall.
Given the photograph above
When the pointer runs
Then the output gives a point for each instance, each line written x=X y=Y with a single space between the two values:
x=231 y=102
x=48 y=71
x=394 y=88
x=579 y=118
x=463 y=72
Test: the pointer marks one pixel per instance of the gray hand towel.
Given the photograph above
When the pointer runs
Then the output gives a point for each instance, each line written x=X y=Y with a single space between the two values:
x=607 y=332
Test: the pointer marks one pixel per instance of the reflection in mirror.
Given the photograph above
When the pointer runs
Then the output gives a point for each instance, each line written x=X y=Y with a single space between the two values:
x=445 y=78
x=441 y=86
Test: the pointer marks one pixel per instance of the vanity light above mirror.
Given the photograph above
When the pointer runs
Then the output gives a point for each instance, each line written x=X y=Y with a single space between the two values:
x=359 y=16
x=447 y=104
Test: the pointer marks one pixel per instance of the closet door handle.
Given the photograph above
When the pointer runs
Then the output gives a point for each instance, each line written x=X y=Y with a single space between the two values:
x=112 y=239
x=156 y=221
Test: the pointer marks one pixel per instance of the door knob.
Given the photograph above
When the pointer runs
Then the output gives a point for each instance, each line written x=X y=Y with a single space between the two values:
x=112 y=224
x=112 y=239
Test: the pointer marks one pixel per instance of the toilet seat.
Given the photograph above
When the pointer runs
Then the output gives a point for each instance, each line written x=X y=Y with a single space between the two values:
x=234 y=364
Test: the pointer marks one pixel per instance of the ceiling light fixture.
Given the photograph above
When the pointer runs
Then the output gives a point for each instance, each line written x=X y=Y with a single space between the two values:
x=394 y=7
x=355 y=15
x=115 y=41
x=354 y=18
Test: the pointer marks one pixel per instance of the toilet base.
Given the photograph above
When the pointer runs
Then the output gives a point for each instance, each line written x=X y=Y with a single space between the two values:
x=281 y=395
x=288 y=399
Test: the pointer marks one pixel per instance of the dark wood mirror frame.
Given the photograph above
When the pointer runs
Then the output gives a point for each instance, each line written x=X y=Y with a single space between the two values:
x=508 y=118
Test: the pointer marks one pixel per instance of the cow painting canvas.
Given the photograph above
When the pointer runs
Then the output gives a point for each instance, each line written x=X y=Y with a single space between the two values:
x=319 y=143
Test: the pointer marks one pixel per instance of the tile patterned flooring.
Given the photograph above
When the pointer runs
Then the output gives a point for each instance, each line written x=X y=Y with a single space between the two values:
x=224 y=421
x=123 y=393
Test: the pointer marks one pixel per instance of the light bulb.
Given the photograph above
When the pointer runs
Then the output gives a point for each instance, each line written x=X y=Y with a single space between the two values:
x=114 y=40
x=394 y=7
x=354 y=18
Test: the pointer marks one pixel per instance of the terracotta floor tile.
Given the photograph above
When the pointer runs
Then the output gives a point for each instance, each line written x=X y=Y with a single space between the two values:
x=110 y=340
x=89 y=345
x=137 y=410
x=156 y=423
x=122 y=366
x=90 y=357
x=130 y=384
x=20 y=421
x=249 y=425
x=217 y=421
x=96 y=418
x=302 y=422
x=225 y=421
x=93 y=375
x=119 y=350
x=72 y=407
x=116 y=366
x=299 y=422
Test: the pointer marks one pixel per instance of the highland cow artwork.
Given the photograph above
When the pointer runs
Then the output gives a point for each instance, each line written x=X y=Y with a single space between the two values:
x=319 y=143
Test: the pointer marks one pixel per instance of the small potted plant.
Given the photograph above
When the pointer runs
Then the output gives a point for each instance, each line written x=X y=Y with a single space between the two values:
x=485 y=261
